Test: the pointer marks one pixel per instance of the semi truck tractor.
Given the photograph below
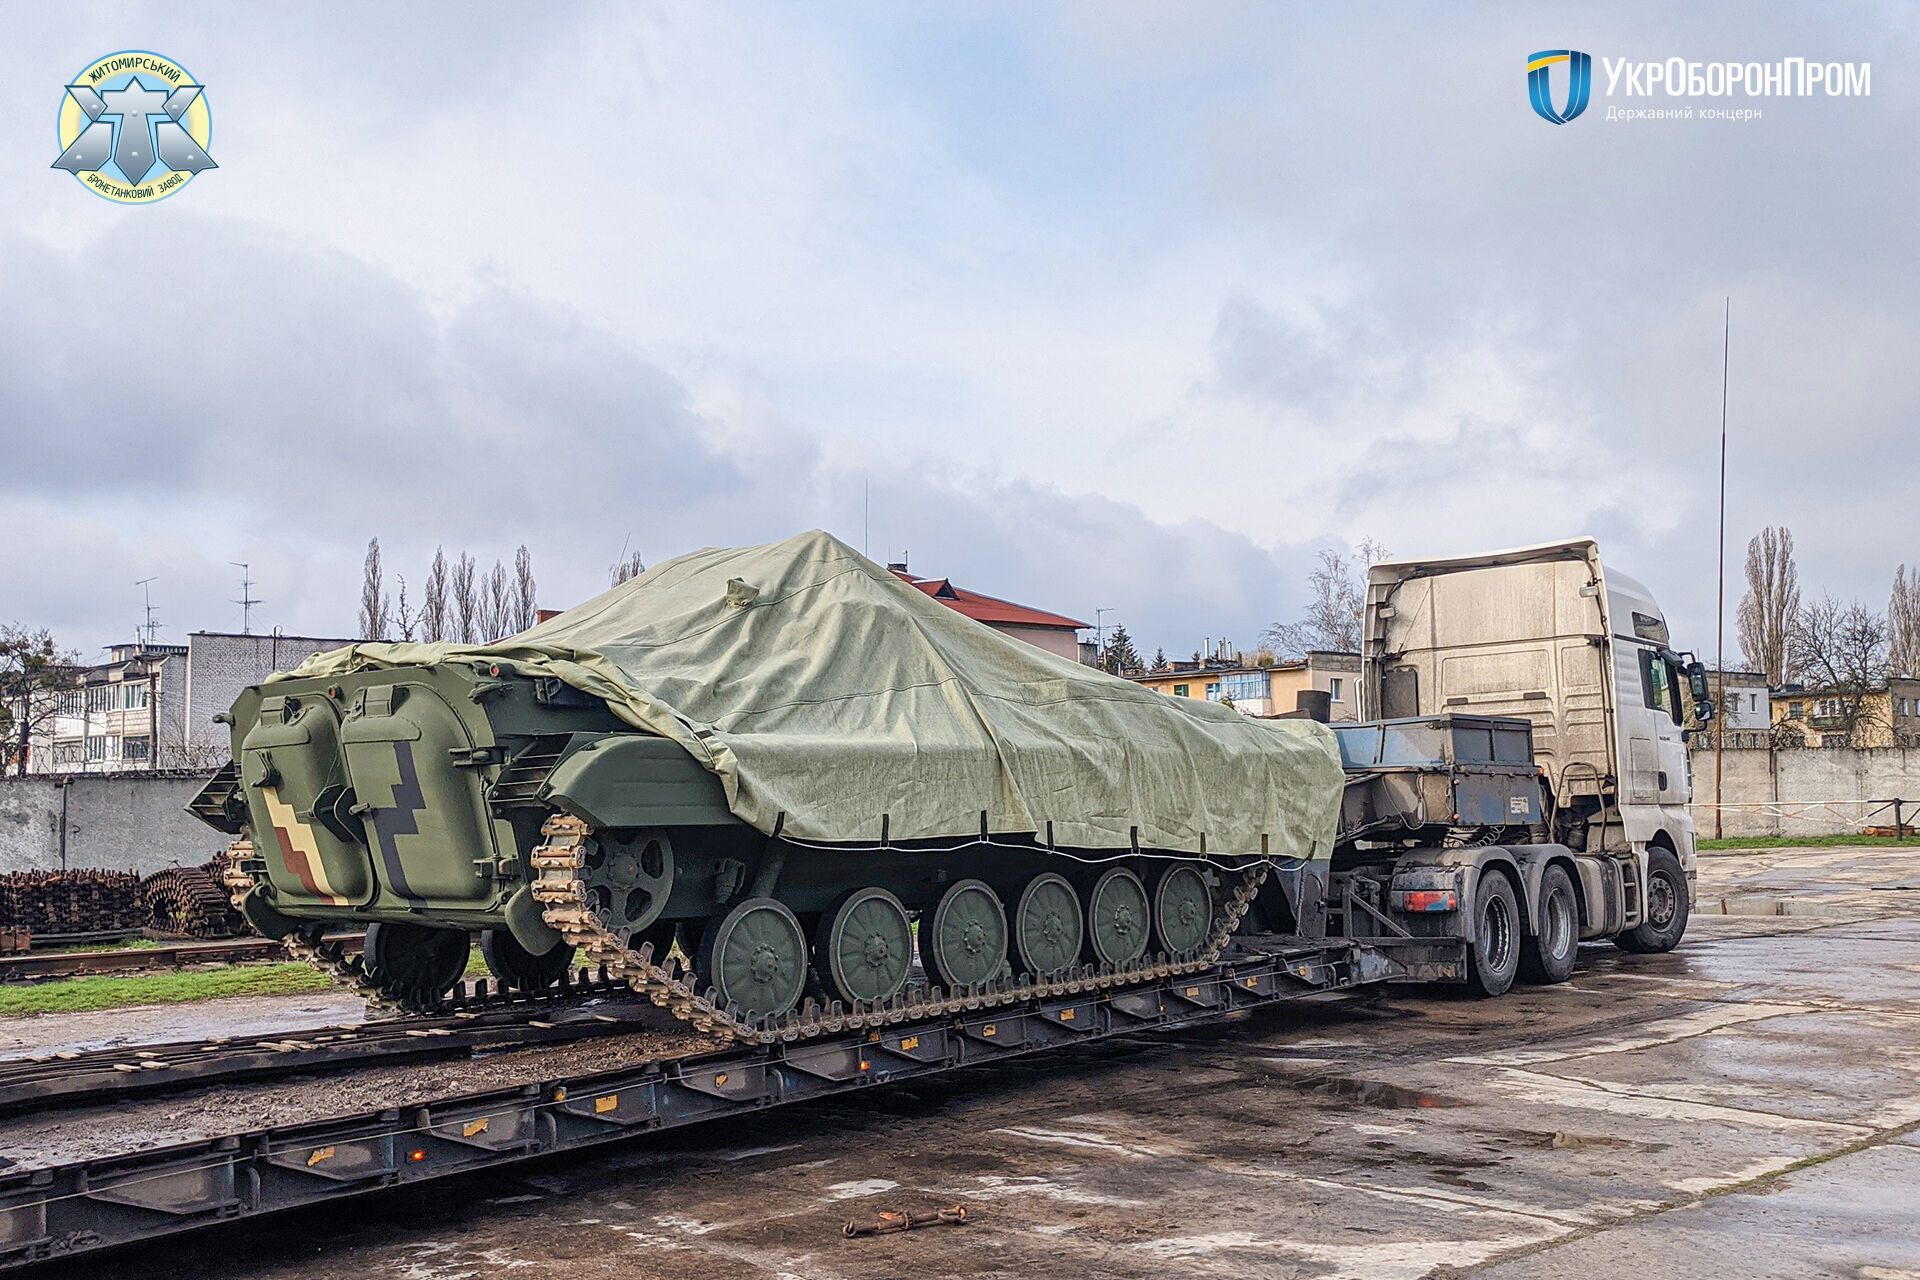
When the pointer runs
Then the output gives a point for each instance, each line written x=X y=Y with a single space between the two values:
x=782 y=793
x=1520 y=783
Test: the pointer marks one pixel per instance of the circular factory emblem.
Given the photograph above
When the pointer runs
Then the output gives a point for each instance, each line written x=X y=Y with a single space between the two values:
x=134 y=127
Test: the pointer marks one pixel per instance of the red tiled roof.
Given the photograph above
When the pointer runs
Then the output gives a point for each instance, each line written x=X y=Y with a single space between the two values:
x=989 y=609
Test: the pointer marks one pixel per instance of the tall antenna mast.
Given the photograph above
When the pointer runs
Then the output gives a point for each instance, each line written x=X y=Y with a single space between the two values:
x=152 y=626
x=1720 y=612
x=246 y=600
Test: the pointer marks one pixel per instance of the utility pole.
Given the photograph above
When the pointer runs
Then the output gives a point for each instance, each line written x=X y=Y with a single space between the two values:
x=1720 y=613
x=1100 y=630
x=246 y=600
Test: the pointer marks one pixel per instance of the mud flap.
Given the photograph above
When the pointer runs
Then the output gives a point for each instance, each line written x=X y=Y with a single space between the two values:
x=528 y=926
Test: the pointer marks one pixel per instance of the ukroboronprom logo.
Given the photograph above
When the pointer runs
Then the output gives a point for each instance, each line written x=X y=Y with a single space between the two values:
x=1692 y=90
x=134 y=127
x=1579 y=73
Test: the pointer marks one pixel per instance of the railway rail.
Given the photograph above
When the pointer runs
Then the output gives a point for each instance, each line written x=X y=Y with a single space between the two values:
x=66 y=1209
x=502 y=1021
x=171 y=954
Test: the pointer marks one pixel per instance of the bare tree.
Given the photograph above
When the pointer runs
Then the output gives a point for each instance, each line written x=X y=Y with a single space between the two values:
x=1840 y=651
x=1903 y=624
x=1332 y=619
x=526 y=607
x=626 y=570
x=373 y=597
x=1766 y=616
x=464 y=625
x=434 y=615
x=403 y=619
x=35 y=675
x=496 y=605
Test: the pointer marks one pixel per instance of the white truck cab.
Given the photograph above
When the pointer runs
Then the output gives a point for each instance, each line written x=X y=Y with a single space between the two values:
x=1549 y=634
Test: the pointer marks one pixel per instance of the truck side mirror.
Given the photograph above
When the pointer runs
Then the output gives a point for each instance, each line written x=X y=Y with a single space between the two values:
x=1703 y=708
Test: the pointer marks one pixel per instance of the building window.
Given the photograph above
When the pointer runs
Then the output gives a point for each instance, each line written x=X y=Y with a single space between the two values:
x=96 y=746
x=1213 y=691
x=133 y=748
x=136 y=695
x=1183 y=691
x=1243 y=686
x=1796 y=711
x=1333 y=688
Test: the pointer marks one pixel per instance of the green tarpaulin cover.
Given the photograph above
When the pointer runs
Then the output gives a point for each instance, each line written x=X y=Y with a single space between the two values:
x=817 y=684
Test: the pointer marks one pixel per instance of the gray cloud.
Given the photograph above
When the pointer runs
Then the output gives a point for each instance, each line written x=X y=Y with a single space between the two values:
x=296 y=401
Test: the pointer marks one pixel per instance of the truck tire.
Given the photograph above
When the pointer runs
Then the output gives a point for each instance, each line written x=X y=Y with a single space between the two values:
x=1493 y=958
x=1548 y=955
x=1666 y=911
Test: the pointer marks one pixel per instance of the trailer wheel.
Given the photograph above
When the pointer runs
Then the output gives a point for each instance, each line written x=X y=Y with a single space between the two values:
x=1494 y=957
x=1665 y=917
x=1548 y=956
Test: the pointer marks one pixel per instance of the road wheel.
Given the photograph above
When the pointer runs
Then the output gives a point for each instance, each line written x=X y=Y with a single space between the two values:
x=756 y=957
x=964 y=944
x=1117 y=918
x=864 y=947
x=1047 y=926
x=1666 y=914
x=516 y=968
x=1494 y=956
x=1182 y=910
x=1548 y=956
x=416 y=960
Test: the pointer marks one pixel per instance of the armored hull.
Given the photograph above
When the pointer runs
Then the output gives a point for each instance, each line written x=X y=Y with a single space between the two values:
x=564 y=799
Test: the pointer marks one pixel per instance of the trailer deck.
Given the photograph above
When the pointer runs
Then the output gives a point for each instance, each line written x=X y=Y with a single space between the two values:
x=59 y=1199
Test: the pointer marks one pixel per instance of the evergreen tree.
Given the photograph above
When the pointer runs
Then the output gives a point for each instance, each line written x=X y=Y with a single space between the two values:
x=1120 y=656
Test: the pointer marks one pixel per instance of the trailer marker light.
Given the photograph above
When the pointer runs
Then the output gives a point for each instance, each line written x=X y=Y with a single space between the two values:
x=416 y=1156
x=1429 y=900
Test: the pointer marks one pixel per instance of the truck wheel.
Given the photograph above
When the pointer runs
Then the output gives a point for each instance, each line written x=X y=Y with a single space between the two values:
x=1548 y=956
x=1494 y=957
x=1666 y=913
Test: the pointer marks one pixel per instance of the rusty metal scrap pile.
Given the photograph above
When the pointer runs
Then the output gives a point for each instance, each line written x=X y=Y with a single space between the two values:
x=57 y=902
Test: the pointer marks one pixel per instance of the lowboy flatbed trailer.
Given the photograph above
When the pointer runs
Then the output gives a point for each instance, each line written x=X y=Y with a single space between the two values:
x=75 y=1207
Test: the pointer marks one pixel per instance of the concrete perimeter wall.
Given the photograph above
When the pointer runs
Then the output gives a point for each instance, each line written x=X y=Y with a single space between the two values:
x=119 y=823
x=1806 y=791
x=135 y=822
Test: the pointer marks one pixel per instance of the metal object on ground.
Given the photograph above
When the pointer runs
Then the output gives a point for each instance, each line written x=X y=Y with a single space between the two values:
x=190 y=902
x=61 y=902
x=906 y=1220
x=52 y=964
x=103 y=1075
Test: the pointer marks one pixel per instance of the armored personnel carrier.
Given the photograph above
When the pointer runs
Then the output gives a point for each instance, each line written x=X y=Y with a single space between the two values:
x=759 y=785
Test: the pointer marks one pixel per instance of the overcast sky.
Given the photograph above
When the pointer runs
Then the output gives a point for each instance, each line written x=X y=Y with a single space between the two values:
x=1128 y=307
